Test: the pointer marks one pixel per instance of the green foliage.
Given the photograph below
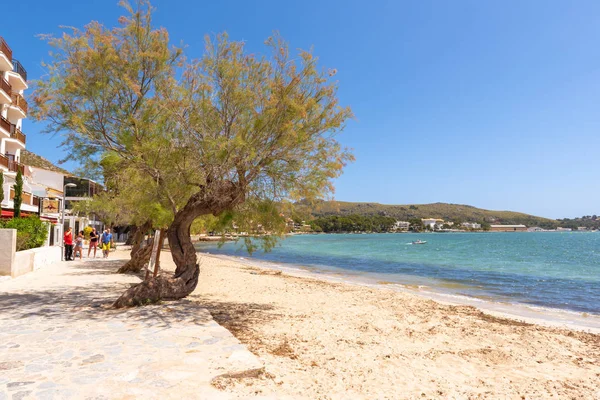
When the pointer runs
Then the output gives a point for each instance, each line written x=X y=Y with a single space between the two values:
x=222 y=135
x=31 y=231
x=354 y=223
x=18 y=200
x=416 y=225
x=130 y=198
x=204 y=224
x=587 y=221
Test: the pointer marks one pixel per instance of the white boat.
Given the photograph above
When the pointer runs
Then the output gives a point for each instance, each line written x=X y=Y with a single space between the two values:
x=419 y=241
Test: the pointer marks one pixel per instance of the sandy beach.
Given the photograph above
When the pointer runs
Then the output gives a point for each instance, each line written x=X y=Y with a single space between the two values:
x=324 y=340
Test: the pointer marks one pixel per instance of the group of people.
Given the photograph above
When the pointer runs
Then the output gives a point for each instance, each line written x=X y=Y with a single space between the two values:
x=106 y=241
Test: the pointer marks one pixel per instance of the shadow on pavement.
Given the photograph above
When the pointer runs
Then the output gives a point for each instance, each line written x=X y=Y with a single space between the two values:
x=92 y=301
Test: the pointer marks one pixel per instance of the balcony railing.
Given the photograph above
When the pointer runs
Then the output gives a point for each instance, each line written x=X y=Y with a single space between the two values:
x=4 y=85
x=27 y=198
x=14 y=166
x=16 y=133
x=5 y=49
x=4 y=124
x=19 y=69
x=19 y=101
x=3 y=162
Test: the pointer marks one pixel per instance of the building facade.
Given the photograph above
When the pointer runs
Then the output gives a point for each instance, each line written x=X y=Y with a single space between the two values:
x=13 y=110
x=508 y=228
x=471 y=225
x=432 y=222
x=401 y=225
x=85 y=189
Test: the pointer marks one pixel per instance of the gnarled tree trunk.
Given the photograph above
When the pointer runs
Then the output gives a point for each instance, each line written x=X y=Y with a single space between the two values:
x=184 y=280
x=133 y=230
x=139 y=255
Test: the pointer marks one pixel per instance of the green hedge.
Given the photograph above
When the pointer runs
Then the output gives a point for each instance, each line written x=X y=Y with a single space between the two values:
x=31 y=232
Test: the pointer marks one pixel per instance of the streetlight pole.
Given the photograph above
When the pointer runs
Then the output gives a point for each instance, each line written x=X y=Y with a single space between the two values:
x=62 y=218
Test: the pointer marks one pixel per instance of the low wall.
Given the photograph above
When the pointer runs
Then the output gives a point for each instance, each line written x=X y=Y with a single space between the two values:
x=8 y=244
x=16 y=263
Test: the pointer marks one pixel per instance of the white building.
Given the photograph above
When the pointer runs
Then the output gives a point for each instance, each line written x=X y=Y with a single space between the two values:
x=13 y=109
x=471 y=225
x=432 y=222
x=401 y=226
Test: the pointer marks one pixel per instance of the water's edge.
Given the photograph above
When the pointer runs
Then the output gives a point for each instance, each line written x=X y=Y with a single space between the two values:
x=545 y=316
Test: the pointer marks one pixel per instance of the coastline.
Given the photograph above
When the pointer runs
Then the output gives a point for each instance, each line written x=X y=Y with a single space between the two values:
x=543 y=316
x=324 y=339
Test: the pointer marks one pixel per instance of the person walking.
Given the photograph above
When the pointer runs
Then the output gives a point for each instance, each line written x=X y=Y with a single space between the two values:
x=93 y=242
x=106 y=240
x=78 y=246
x=68 y=242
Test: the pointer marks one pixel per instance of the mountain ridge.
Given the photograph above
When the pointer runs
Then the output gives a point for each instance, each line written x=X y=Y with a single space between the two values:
x=37 y=161
x=446 y=211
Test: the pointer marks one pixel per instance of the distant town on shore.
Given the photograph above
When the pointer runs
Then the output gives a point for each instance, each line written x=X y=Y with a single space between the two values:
x=379 y=224
x=340 y=216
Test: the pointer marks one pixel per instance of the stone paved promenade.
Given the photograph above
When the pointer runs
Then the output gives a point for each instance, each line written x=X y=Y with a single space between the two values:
x=59 y=340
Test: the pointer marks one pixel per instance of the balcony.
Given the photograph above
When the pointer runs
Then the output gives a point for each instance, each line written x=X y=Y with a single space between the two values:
x=14 y=166
x=19 y=69
x=16 y=133
x=5 y=56
x=4 y=163
x=18 y=108
x=18 y=76
x=5 y=91
x=5 y=125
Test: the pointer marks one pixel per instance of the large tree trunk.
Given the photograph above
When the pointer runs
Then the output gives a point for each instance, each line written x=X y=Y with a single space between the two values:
x=139 y=255
x=138 y=260
x=184 y=280
x=133 y=230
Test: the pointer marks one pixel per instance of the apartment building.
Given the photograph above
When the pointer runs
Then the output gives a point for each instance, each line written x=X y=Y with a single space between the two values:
x=13 y=110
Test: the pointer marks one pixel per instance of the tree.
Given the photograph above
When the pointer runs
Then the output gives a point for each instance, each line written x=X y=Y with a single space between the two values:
x=416 y=225
x=231 y=133
x=130 y=199
x=18 y=199
x=1 y=187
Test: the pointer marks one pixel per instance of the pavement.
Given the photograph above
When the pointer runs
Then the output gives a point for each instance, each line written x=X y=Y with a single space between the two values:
x=59 y=339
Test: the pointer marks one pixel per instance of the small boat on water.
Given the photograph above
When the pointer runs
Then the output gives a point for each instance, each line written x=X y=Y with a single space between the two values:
x=419 y=241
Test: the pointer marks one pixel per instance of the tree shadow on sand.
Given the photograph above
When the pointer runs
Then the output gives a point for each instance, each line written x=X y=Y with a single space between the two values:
x=242 y=319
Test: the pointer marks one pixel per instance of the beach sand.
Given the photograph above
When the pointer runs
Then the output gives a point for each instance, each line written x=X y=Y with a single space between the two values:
x=324 y=340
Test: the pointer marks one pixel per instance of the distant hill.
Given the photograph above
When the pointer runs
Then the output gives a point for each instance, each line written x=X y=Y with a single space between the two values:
x=445 y=211
x=33 y=160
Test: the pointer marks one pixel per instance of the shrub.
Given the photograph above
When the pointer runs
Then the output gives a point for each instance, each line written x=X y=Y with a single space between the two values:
x=86 y=232
x=31 y=231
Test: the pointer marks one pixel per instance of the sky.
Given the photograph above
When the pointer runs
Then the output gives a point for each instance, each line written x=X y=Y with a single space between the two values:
x=488 y=103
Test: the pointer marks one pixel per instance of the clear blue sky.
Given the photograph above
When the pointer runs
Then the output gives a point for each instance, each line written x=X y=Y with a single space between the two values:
x=489 y=103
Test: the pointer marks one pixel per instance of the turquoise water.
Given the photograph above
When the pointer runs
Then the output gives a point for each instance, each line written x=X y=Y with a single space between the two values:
x=548 y=269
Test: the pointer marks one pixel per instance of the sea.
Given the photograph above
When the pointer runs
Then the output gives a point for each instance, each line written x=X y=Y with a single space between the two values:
x=543 y=270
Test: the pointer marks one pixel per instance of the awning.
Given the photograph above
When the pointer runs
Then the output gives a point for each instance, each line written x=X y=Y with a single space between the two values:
x=10 y=214
x=49 y=219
